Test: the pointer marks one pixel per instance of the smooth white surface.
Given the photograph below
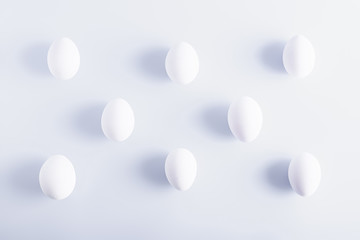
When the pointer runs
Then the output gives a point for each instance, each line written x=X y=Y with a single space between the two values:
x=63 y=59
x=57 y=177
x=299 y=56
x=181 y=168
x=241 y=190
x=182 y=63
x=118 y=120
x=245 y=119
x=304 y=174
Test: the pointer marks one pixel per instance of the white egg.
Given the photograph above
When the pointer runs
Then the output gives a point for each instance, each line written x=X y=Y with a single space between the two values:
x=181 y=168
x=245 y=119
x=304 y=174
x=118 y=120
x=57 y=177
x=63 y=59
x=299 y=56
x=182 y=63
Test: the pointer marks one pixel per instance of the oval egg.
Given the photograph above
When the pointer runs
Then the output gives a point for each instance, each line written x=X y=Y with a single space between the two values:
x=245 y=119
x=304 y=174
x=299 y=56
x=57 y=177
x=63 y=59
x=118 y=120
x=182 y=63
x=181 y=169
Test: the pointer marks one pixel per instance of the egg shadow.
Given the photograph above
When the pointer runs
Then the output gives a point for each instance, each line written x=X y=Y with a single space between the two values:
x=25 y=177
x=88 y=120
x=34 y=58
x=152 y=63
x=271 y=56
x=152 y=169
x=276 y=175
x=215 y=119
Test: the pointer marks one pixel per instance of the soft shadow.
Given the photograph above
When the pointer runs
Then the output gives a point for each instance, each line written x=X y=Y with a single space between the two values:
x=88 y=120
x=25 y=177
x=271 y=56
x=153 y=169
x=276 y=175
x=215 y=119
x=34 y=57
x=152 y=62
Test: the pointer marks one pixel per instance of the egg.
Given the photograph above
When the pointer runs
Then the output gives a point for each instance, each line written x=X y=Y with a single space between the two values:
x=63 y=59
x=57 y=177
x=181 y=169
x=118 y=120
x=299 y=56
x=182 y=63
x=304 y=174
x=245 y=119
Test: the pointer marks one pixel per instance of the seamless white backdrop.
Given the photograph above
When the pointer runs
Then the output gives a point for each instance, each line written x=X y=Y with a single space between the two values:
x=241 y=191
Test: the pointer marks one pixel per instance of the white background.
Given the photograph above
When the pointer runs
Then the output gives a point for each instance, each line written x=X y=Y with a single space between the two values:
x=241 y=191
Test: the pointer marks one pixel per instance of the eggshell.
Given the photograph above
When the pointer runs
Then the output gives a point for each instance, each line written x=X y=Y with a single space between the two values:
x=245 y=119
x=118 y=120
x=304 y=174
x=63 y=59
x=181 y=168
x=182 y=63
x=57 y=177
x=299 y=56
